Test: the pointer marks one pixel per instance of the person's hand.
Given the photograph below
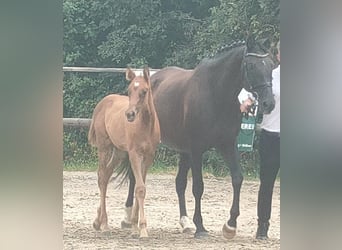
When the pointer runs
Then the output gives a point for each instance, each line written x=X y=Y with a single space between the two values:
x=246 y=105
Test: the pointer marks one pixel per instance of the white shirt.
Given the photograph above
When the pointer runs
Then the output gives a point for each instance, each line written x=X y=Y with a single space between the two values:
x=271 y=122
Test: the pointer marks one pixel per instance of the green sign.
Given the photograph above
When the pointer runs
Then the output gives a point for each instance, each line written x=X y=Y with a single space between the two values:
x=246 y=134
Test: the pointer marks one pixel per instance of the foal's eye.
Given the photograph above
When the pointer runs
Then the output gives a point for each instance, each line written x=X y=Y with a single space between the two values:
x=143 y=93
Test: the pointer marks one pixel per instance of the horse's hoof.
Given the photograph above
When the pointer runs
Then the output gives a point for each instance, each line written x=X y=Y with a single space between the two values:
x=228 y=231
x=96 y=225
x=143 y=234
x=125 y=225
x=106 y=233
x=259 y=237
x=201 y=234
x=187 y=230
x=135 y=235
x=185 y=223
x=135 y=232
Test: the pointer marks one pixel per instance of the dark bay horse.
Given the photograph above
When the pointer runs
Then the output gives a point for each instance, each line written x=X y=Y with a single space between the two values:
x=199 y=109
x=126 y=128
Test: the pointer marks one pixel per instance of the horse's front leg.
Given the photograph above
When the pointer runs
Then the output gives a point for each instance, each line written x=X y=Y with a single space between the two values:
x=232 y=158
x=139 y=171
x=181 y=183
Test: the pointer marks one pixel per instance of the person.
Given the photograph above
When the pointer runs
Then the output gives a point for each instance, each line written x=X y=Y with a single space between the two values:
x=269 y=150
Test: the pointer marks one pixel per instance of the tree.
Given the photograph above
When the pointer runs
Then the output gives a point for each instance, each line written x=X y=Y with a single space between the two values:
x=231 y=21
x=118 y=33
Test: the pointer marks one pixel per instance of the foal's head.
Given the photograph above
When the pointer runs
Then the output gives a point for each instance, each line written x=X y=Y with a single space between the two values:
x=138 y=93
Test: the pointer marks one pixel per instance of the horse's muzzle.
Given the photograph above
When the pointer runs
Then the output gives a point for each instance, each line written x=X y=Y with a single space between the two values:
x=268 y=107
x=130 y=115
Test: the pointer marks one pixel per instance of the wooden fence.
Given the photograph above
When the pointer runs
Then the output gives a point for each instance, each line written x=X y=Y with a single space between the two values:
x=76 y=122
x=85 y=122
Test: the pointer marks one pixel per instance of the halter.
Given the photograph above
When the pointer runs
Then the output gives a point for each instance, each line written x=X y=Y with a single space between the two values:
x=244 y=70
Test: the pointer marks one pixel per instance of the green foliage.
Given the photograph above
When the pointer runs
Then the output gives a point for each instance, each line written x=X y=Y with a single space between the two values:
x=118 y=33
x=81 y=92
x=76 y=150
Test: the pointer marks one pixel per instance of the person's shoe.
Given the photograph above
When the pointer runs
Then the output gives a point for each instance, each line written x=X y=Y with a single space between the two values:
x=262 y=231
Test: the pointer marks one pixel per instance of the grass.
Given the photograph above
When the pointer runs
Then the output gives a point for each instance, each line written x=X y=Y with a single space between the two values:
x=80 y=166
x=160 y=168
x=156 y=168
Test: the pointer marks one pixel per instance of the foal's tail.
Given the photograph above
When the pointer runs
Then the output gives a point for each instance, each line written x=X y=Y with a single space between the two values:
x=91 y=134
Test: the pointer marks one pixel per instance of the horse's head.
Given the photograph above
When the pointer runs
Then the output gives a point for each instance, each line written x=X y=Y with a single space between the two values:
x=138 y=92
x=257 y=68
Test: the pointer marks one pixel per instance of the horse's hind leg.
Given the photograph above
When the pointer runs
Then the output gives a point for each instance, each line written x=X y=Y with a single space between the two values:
x=127 y=221
x=181 y=183
x=104 y=172
x=197 y=190
x=232 y=157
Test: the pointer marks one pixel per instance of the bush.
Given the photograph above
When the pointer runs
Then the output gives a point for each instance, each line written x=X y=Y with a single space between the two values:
x=79 y=155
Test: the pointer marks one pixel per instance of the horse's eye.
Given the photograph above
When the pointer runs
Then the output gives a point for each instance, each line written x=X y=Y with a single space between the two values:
x=143 y=93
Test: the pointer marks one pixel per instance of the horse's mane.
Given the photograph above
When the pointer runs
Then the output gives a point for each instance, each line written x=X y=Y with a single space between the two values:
x=225 y=48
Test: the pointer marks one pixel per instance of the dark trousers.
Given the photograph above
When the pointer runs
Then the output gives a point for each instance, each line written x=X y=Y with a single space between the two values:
x=269 y=150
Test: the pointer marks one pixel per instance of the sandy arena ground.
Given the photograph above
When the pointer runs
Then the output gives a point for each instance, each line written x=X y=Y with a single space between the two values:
x=81 y=199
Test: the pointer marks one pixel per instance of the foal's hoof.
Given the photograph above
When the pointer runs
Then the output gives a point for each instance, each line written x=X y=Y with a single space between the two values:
x=135 y=232
x=201 y=234
x=228 y=231
x=107 y=233
x=96 y=225
x=143 y=234
x=125 y=225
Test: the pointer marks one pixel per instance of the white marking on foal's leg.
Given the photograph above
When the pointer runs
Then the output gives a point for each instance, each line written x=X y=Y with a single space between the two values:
x=186 y=224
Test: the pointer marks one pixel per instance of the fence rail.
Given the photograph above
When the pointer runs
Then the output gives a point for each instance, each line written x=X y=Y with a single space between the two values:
x=104 y=70
x=84 y=122
x=76 y=122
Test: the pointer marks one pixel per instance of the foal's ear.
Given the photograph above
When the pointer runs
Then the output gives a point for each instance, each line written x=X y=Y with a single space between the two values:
x=130 y=75
x=147 y=74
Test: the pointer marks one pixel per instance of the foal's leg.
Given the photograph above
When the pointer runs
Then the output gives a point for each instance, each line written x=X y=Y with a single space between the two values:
x=197 y=190
x=104 y=172
x=232 y=157
x=127 y=222
x=181 y=183
x=139 y=170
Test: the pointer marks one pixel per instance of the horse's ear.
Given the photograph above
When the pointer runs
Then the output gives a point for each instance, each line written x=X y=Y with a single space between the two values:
x=147 y=74
x=265 y=43
x=250 y=43
x=130 y=75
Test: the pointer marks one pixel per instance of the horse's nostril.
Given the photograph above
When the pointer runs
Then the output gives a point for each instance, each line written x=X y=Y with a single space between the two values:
x=268 y=107
x=130 y=116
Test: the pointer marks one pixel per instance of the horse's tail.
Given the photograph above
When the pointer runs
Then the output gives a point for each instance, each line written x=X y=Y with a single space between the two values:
x=91 y=134
x=123 y=172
